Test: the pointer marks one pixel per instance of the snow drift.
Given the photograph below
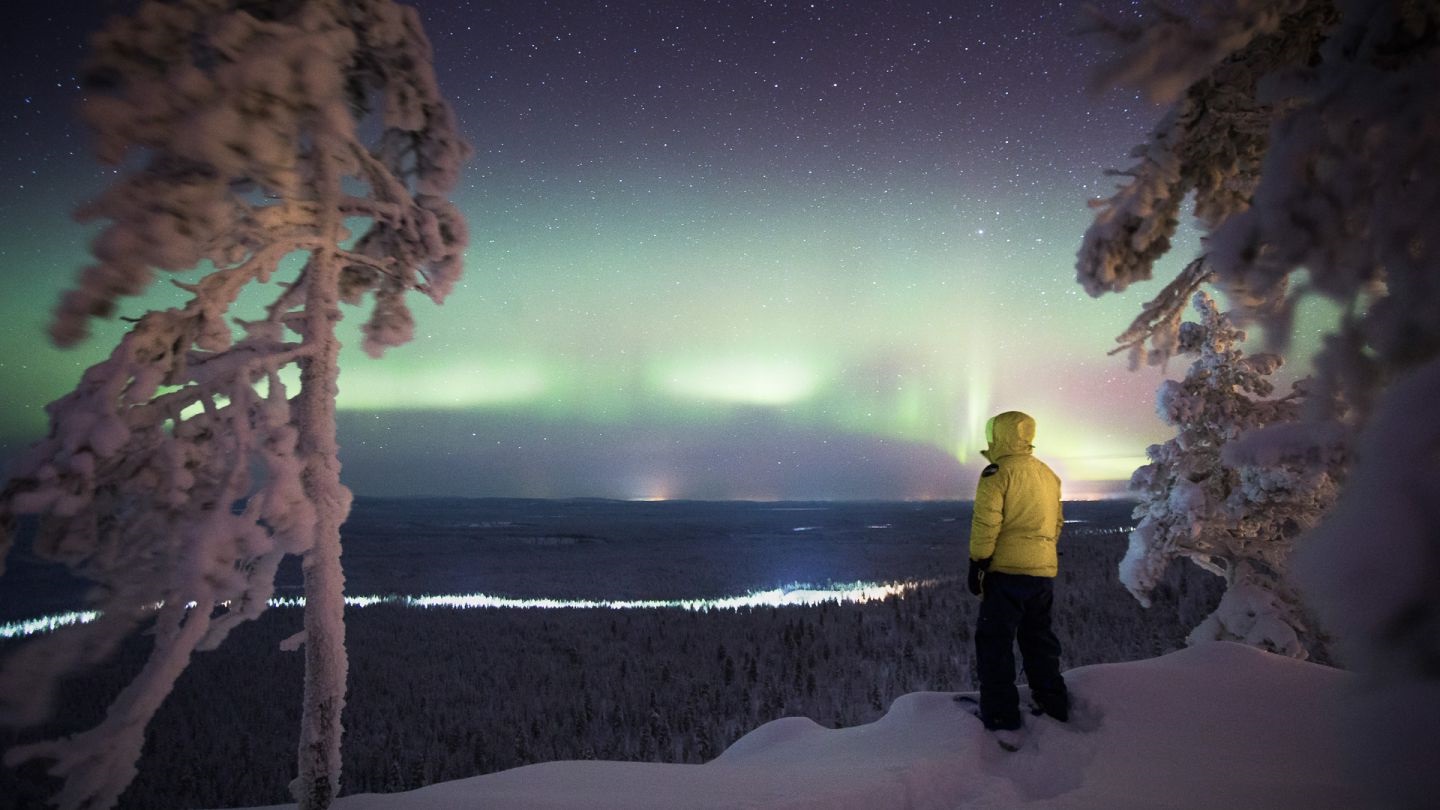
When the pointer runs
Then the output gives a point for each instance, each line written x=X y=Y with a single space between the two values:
x=1215 y=725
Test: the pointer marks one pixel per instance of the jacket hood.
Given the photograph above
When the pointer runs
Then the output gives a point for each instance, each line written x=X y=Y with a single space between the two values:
x=1009 y=434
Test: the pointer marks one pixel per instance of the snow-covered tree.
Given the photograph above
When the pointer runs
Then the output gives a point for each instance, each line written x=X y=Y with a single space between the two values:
x=1309 y=131
x=183 y=468
x=1236 y=520
x=1211 y=143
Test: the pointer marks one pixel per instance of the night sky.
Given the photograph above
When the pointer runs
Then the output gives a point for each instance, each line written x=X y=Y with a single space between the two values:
x=719 y=250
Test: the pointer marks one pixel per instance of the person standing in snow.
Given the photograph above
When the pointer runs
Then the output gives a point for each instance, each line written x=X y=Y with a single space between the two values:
x=1012 y=568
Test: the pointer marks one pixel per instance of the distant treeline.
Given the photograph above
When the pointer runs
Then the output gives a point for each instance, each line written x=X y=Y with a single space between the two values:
x=443 y=693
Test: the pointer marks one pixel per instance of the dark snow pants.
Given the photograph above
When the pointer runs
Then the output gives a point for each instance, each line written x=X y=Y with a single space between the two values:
x=1017 y=608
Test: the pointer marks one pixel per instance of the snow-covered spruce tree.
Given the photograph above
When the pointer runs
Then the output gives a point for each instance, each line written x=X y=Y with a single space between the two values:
x=1324 y=117
x=1238 y=521
x=182 y=469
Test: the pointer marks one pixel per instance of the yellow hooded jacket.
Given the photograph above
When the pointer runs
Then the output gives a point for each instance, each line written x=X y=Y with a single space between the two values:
x=1017 y=503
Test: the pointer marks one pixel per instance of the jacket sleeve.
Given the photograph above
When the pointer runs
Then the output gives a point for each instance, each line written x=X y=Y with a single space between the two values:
x=1059 y=506
x=989 y=514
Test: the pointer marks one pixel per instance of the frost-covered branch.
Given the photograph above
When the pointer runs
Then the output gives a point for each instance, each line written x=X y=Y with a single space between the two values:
x=1159 y=320
x=1168 y=53
x=1211 y=142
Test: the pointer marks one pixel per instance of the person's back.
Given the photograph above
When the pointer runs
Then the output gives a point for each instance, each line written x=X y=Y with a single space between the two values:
x=1013 y=563
x=1018 y=515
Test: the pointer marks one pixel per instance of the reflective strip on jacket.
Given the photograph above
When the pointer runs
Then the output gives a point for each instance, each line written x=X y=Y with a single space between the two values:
x=1017 y=503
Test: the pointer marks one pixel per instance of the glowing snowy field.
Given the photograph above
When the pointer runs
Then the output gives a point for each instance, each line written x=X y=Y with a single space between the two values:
x=778 y=597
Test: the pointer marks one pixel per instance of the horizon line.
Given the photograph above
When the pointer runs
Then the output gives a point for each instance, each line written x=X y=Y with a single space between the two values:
x=1123 y=495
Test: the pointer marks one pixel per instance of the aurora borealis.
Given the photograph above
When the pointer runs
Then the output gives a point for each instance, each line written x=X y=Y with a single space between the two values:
x=718 y=250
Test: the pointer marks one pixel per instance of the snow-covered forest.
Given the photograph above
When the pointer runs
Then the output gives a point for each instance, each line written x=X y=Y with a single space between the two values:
x=451 y=693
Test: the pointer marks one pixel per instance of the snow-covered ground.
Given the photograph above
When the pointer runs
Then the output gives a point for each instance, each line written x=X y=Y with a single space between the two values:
x=1214 y=726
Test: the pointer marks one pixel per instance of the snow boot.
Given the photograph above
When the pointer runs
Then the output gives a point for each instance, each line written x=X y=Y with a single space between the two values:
x=1009 y=739
x=1057 y=707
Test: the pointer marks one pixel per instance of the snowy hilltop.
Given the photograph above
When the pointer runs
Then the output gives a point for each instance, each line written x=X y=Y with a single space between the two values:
x=1215 y=725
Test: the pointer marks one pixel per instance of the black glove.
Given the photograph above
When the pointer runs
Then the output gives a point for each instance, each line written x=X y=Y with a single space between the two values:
x=976 y=578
